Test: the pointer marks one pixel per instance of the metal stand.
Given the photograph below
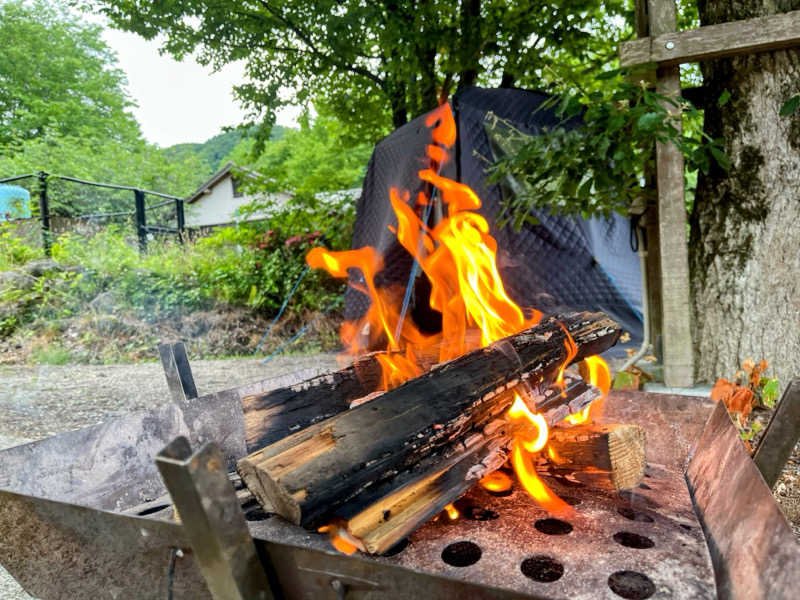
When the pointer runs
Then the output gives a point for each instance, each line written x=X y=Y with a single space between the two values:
x=213 y=521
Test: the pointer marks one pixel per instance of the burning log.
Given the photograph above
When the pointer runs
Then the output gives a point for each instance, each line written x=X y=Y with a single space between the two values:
x=422 y=427
x=608 y=456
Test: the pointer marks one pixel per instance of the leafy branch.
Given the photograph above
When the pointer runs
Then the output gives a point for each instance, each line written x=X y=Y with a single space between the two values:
x=595 y=160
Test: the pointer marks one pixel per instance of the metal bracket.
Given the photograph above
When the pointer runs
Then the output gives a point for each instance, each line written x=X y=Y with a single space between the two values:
x=213 y=521
x=781 y=435
x=177 y=371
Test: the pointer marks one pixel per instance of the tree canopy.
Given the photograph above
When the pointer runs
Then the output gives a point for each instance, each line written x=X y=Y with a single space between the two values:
x=308 y=160
x=57 y=74
x=374 y=65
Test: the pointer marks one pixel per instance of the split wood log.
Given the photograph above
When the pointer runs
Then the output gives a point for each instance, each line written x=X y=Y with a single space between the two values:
x=411 y=429
x=606 y=456
x=273 y=415
x=393 y=514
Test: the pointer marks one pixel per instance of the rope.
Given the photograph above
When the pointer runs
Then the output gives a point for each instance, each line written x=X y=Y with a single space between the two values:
x=414 y=270
x=278 y=350
x=283 y=307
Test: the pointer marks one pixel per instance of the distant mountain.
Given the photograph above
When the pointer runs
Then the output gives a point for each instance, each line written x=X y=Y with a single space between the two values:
x=214 y=150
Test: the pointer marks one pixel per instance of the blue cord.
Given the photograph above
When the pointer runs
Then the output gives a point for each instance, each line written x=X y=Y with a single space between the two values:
x=277 y=351
x=283 y=307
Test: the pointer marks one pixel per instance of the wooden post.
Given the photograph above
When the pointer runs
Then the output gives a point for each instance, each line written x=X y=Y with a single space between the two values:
x=783 y=432
x=180 y=219
x=674 y=256
x=650 y=218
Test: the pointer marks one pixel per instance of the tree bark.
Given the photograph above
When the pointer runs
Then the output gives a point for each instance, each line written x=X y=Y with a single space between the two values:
x=744 y=248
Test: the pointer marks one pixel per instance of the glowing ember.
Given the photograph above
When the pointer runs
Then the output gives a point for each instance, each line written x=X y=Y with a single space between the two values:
x=452 y=512
x=496 y=481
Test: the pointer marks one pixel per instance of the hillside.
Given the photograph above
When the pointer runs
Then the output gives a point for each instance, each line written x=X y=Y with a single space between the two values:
x=215 y=150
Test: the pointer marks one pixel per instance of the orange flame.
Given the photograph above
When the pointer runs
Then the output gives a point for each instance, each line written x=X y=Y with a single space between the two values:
x=459 y=258
x=496 y=481
x=452 y=512
x=600 y=376
x=458 y=255
x=572 y=351
x=341 y=539
x=526 y=472
x=520 y=410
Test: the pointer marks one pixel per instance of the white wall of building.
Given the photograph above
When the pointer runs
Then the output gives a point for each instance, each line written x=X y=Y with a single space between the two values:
x=218 y=205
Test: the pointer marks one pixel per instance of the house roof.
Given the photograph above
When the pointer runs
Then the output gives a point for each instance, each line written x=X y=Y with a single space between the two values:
x=217 y=177
x=212 y=181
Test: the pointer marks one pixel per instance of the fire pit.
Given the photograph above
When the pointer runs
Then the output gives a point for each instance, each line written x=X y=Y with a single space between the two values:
x=85 y=514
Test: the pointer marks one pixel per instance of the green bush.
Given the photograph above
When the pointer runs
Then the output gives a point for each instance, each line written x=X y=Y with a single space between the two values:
x=13 y=250
x=251 y=265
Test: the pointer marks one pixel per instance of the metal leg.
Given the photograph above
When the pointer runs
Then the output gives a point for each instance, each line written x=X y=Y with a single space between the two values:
x=783 y=432
x=177 y=371
x=213 y=521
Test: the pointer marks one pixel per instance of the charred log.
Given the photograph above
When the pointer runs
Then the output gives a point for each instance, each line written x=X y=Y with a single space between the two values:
x=410 y=431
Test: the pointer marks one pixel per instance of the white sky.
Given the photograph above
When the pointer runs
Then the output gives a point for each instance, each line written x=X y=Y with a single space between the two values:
x=179 y=101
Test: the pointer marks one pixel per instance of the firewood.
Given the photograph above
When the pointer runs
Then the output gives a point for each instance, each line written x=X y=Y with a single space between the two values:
x=607 y=456
x=392 y=514
x=411 y=429
x=273 y=415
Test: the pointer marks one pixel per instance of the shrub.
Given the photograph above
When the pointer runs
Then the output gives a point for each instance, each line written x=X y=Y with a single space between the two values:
x=251 y=265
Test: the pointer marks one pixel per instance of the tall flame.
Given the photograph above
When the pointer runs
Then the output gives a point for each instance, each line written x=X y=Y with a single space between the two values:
x=458 y=255
x=459 y=258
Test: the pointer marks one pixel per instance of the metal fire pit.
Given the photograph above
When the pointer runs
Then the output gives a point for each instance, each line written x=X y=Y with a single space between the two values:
x=85 y=514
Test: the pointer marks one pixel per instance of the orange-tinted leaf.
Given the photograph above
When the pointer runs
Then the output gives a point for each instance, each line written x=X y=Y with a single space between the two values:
x=722 y=390
x=748 y=365
x=741 y=401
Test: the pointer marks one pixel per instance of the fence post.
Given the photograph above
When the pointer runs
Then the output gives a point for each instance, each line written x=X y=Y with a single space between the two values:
x=179 y=217
x=141 y=220
x=44 y=212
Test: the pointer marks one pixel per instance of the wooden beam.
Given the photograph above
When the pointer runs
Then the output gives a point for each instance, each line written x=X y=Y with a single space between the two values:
x=673 y=251
x=783 y=432
x=763 y=34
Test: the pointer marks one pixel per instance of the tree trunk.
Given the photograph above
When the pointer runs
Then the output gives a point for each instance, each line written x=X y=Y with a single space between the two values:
x=744 y=246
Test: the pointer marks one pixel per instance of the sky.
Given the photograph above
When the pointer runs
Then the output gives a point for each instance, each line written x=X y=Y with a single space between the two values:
x=179 y=101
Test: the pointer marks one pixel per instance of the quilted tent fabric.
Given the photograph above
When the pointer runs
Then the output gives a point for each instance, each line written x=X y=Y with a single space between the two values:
x=562 y=263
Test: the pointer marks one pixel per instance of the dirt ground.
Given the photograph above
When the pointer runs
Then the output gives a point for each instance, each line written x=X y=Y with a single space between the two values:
x=37 y=402
x=40 y=401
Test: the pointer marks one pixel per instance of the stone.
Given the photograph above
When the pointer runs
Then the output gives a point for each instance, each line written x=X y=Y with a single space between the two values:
x=37 y=268
x=16 y=280
x=104 y=303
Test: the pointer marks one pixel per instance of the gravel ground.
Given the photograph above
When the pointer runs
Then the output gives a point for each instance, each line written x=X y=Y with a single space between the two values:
x=37 y=402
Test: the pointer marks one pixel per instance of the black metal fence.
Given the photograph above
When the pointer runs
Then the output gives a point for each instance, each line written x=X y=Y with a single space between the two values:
x=68 y=203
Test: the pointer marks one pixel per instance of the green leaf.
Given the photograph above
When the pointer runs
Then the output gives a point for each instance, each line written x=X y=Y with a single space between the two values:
x=253 y=293
x=769 y=390
x=790 y=106
x=720 y=156
x=649 y=121
x=723 y=98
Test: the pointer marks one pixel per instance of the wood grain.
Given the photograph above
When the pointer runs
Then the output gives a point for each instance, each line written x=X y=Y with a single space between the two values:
x=671 y=48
